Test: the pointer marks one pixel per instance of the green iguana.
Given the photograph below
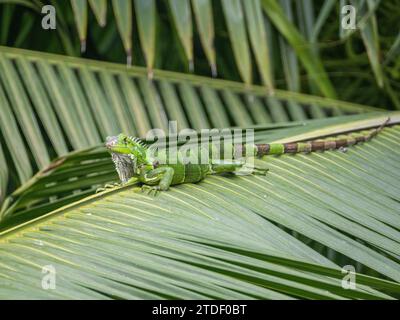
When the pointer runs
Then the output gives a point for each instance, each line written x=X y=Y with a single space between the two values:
x=133 y=163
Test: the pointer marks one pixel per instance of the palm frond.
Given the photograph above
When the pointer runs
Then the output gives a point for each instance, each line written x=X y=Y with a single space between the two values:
x=226 y=237
x=80 y=173
x=148 y=31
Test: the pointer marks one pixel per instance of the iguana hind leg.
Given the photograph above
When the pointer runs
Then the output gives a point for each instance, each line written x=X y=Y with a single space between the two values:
x=252 y=165
x=240 y=167
x=223 y=166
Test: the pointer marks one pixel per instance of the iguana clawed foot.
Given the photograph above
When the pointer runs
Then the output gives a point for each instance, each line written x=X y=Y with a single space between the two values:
x=261 y=172
x=258 y=167
x=150 y=189
x=108 y=187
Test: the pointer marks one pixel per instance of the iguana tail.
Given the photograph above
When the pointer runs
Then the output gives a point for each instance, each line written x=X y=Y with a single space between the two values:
x=317 y=145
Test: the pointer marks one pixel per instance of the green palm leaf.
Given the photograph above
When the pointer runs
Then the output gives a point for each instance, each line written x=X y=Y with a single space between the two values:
x=310 y=215
x=226 y=237
x=286 y=235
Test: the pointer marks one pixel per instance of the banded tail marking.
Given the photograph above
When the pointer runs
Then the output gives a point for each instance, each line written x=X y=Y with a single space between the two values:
x=316 y=145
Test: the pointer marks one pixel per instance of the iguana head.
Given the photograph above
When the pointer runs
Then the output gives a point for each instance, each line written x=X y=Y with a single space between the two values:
x=125 y=145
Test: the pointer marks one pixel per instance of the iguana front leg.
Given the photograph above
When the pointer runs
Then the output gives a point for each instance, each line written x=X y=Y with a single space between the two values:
x=162 y=175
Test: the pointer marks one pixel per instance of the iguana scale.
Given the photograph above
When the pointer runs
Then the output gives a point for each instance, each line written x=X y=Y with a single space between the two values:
x=132 y=162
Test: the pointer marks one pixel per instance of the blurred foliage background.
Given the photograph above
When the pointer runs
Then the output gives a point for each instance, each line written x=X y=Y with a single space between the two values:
x=291 y=45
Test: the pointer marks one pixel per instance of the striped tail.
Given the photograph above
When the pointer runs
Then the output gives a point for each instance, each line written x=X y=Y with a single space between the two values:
x=316 y=145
